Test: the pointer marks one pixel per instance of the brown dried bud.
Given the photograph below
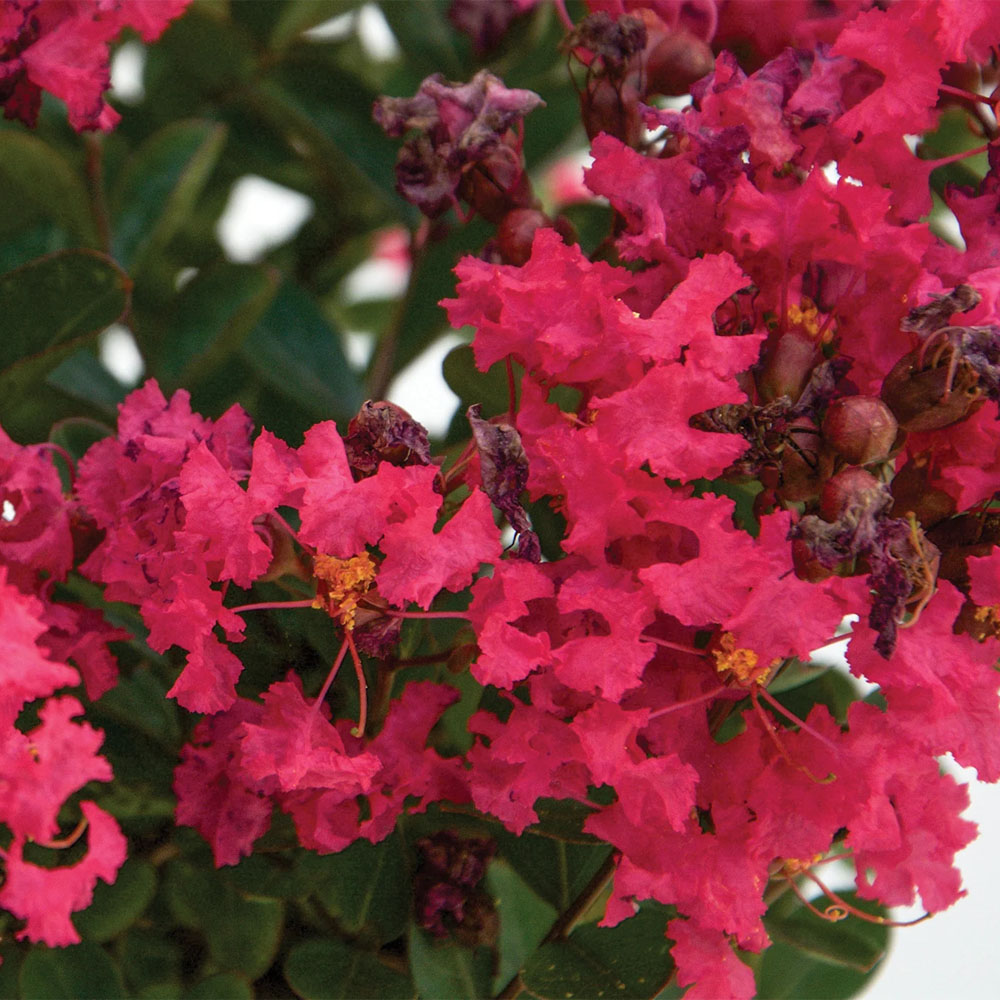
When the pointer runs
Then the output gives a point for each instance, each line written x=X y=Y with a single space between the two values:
x=861 y=429
x=929 y=398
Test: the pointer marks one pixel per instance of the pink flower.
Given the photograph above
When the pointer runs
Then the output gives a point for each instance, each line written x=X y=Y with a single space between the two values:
x=61 y=46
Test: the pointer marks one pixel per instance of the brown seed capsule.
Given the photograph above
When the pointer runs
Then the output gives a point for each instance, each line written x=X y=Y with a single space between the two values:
x=929 y=398
x=861 y=429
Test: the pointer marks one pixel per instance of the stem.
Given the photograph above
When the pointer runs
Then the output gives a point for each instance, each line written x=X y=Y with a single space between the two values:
x=393 y=613
x=272 y=605
x=967 y=95
x=329 y=678
x=381 y=372
x=95 y=180
x=667 y=644
x=359 y=729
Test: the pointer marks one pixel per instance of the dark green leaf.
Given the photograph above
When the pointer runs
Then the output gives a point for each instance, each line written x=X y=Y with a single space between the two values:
x=813 y=958
x=300 y=15
x=214 y=313
x=119 y=905
x=298 y=354
x=159 y=187
x=631 y=960
x=243 y=933
x=82 y=376
x=81 y=971
x=223 y=986
x=429 y=42
x=366 y=888
x=331 y=969
x=148 y=958
x=51 y=308
x=524 y=920
x=555 y=869
x=52 y=304
x=473 y=386
x=32 y=171
x=445 y=969
x=562 y=819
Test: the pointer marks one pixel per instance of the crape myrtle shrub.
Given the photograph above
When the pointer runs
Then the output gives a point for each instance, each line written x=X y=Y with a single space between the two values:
x=298 y=701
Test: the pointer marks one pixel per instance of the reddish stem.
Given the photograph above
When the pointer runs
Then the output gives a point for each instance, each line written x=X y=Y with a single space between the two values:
x=272 y=605
x=359 y=729
x=330 y=677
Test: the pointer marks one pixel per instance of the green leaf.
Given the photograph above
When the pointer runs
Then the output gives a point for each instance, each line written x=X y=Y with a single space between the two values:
x=366 y=888
x=556 y=869
x=473 y=386
x=118 y=905
x=813 y=959
x=300 y=15
x=524 y=920
x=445 y=969
x=243 y=933
x=149 y=959
x=50 y=305
x=32 y=171
x=630 y=960
x=429 y=43
x=331 y=969
x=81 y=971
x=214 y=314
x=296 y=352
x=82 y=377
x=51 y=308
x=159 y=187
x=223 y=986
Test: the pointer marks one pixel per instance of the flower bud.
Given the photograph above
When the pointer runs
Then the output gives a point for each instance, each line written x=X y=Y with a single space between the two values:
x=787 y=366
x=675 y=61
x=517 y=230
x=861 y=429
x=850 y=488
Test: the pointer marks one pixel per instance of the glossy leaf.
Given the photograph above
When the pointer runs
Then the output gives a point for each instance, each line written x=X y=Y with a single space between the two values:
x=82 y=971
x=446 y=969
x=525 y=919
x=159 y=187
x=298 y=354
x=214 y=314
x=813 y=959
x=331 y=969
x=630 y=960
x=556 y=869
x=34 y=172
x=51 y=308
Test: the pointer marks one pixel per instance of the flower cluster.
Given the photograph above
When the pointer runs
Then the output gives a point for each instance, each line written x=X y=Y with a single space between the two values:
x=768 y=404
x=61 y=47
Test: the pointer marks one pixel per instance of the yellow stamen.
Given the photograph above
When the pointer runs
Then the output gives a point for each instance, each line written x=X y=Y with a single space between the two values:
x=341 y=585
x=741 y=663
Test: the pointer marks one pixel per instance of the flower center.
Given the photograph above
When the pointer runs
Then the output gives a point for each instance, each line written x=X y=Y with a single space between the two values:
x=341 y=583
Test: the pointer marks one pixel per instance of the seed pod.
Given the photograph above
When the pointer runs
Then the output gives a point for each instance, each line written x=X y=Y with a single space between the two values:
x=851 y=488
x=927 y=399
x=861 y=429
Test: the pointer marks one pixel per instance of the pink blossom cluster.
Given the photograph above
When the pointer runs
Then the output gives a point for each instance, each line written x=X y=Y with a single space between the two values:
x=768 y=327
x=61 y=47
